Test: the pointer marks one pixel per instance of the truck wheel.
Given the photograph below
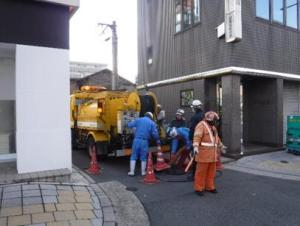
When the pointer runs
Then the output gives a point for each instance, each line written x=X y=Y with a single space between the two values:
x=102 y=150
x=74 y=142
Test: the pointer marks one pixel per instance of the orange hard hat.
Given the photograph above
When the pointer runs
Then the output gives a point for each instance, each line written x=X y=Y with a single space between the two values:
x=211 y=116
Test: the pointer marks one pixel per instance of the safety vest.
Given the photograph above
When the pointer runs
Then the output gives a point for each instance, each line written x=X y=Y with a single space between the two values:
x=212 y=138
x=208 y=144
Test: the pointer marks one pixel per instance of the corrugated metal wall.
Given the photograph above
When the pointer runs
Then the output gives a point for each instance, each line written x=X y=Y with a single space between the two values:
x=264 y=45
x=191 y=51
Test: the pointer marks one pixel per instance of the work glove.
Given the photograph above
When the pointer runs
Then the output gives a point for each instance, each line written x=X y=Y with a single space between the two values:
x=223 y=148
x=195 y=150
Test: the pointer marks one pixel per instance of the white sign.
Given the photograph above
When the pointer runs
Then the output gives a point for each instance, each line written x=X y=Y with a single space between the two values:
x=233 y=20
x=221 y=30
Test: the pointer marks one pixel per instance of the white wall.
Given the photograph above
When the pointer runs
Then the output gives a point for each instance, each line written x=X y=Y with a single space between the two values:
x=42 y=109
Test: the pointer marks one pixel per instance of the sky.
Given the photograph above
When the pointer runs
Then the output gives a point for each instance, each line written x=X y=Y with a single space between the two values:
x=87 y=44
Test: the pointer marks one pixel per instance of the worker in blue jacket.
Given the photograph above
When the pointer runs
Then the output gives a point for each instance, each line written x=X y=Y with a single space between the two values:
x=177 y=134
x=197 y=117
x=145 y=128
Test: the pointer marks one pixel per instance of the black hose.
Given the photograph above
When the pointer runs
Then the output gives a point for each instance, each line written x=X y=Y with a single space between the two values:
x=218 y=174
x=147 y=104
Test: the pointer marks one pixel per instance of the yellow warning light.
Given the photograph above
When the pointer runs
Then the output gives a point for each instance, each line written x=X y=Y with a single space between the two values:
x=85 y=88
x=93 y=88
x=100 y=110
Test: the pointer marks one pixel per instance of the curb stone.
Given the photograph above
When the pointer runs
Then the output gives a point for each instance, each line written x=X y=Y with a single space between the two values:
x=127 y=207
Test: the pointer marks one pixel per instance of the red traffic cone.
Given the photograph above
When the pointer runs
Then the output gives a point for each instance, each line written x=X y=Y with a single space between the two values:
x=219 y=165
x=150 y=176
x=94 y=167
x=160 y=162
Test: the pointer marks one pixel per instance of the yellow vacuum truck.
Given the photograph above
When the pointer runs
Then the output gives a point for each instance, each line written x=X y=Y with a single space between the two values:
x=99 y=117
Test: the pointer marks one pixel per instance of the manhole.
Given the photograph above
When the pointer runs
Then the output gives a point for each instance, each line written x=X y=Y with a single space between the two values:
x=283 y=161
x=131 y=189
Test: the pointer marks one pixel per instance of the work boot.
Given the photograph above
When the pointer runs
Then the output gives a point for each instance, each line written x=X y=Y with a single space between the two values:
x=200 y=193
x=214 y=191
x=132 y=168
x=143 y=168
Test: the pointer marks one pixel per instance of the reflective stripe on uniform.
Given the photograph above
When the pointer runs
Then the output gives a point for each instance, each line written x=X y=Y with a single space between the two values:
x=209 y=132
x=208 y=144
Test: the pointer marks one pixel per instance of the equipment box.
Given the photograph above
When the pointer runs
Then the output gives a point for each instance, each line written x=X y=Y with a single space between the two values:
x=293 y=134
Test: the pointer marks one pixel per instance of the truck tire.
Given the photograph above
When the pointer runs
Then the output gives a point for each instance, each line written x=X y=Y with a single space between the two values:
x=102 y=149
x=73 y=139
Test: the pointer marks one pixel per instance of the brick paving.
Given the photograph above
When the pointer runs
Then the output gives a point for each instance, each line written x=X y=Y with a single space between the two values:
x=45 y=204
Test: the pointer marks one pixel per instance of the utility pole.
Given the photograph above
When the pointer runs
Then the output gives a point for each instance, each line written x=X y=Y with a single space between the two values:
x=114 y=37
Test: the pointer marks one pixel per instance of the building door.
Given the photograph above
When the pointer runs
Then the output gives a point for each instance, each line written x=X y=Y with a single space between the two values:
x=291 y=103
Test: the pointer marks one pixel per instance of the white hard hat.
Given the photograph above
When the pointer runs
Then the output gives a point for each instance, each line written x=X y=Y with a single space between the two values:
x=196 y=103
x=180 y=112
x=149 y=114
x=173 y=132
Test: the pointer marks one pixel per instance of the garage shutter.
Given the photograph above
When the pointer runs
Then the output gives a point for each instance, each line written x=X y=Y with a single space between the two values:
x=291 y=102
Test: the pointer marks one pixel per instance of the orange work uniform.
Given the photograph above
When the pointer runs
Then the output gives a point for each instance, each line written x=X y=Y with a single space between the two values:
x=207 y=140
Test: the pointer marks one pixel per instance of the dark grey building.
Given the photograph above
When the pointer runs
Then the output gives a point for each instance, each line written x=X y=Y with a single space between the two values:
x=101 y=78
x=251 y=76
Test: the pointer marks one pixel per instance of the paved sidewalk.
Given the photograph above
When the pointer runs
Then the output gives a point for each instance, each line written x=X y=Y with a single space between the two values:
x=278 y=164
x=82 y=203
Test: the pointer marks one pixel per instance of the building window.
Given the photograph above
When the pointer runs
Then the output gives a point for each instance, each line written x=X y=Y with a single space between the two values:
x=186 y=97
x=263 y=9
x=278 y=11
x=187 y=13
x=178 y=16
x=285 y=12
x=196 y=11
x=291 y=13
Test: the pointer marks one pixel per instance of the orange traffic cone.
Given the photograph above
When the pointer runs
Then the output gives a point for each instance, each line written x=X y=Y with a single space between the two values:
x=219 y=164
x=160 y=162
x=150 y=176
x=94 y=167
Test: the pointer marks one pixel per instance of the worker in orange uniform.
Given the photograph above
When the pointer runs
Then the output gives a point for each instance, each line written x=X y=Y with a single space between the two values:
x=205 y=146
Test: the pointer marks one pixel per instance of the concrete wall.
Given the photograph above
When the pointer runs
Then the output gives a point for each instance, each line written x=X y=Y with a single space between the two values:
x=263 y=111
x=231 y=113
x=42 y=109
x=169 y=97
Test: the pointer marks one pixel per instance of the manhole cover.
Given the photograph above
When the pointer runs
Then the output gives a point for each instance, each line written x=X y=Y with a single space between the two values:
x=283 y=161
x=131 y=189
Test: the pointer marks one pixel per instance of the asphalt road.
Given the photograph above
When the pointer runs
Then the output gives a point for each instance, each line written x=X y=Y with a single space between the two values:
x=243 y=199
